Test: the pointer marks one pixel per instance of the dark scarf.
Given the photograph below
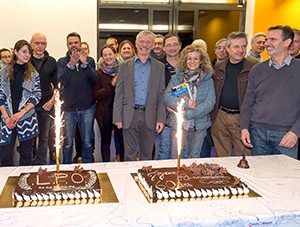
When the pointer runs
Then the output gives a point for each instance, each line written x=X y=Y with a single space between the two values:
x=109 y=69
x=16 y=85
x=193 y=79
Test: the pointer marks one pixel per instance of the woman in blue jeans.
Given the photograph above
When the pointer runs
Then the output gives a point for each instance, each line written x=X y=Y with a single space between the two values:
x=196 y=71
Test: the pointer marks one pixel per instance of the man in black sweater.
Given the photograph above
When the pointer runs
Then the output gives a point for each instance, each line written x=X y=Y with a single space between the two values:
x=47 y=69
x=230 y=79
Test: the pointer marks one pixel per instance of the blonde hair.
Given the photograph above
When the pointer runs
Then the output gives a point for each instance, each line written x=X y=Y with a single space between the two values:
x=205 y=64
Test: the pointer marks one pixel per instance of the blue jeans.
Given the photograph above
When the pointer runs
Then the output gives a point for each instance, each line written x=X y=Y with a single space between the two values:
x=192 y=141
x=164 y=144
x=85 y=120
x=265 y=142
x=208 y=144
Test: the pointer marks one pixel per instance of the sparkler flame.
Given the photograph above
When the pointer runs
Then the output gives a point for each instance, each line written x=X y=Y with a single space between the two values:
x=58 y=126
x=180 y=120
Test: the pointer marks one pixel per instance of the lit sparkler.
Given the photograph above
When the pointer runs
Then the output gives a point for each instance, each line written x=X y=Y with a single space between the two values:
x=180 y=120
x=58 y=126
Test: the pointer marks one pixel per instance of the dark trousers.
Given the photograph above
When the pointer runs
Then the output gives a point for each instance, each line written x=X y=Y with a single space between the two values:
x=106 y=134
x=45 y=140
x=138 y=137
x=208 y=144
x=25 y=151
x=119 y=143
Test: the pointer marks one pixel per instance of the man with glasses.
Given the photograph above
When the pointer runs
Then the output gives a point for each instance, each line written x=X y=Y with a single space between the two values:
x=171 y=46
x=5 y=55
x=295 y=46
x=47 y=69
x=220 y=51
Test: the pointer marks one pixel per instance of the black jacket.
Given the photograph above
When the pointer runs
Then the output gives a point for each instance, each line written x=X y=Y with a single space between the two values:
x=47 y=70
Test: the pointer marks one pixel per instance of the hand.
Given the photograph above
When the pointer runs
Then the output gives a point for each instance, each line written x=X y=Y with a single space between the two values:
x=170 y=110
x=119 y=125
x=16 y=117
x=83 y=55
x=159 y=127
x=9 y=123
x=289 y=140
x=114 y=81
x=245 y=138
x=74 y=57
x=48 y=105
x=192 y=104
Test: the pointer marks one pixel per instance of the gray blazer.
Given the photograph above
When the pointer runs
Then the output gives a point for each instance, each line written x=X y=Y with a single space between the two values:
x=124 y=96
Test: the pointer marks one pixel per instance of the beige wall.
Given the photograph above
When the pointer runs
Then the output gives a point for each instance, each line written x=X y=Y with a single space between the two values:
x=55 y=18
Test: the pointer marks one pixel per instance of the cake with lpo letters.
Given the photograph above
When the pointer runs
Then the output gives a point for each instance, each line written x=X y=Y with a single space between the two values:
x=46 y=185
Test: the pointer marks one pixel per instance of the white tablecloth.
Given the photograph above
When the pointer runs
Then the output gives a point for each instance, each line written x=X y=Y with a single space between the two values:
x=275 y=178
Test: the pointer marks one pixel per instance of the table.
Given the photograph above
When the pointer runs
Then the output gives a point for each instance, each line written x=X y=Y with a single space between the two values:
x=276 y=178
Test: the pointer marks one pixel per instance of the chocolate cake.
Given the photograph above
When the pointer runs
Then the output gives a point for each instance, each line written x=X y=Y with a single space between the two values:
x=195 y=181
x=52 y=186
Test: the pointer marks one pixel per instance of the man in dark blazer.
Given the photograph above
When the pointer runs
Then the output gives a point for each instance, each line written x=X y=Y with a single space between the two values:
x=138 y=106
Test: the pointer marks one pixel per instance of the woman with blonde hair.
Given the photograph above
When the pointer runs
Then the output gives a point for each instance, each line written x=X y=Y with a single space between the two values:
x=126 y=51
x=20 y=92
x=194 y=72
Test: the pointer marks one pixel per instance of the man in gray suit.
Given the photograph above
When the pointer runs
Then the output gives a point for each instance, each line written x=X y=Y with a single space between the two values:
x=138 y=106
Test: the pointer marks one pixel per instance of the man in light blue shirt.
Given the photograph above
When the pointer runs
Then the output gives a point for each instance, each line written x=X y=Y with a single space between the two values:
x=138 y=106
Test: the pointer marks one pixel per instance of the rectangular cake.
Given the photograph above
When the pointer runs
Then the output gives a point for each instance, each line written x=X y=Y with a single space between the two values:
x=57 y=186
x=195 y=181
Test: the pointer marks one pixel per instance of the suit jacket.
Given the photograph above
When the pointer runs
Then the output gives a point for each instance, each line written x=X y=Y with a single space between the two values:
x=124 y=95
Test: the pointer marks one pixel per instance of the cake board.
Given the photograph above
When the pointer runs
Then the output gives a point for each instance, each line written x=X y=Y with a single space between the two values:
x=108 y=195
x=252 y=194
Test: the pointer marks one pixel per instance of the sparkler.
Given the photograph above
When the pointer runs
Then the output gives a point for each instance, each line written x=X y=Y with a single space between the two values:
x=58 y=127
x=180 y=120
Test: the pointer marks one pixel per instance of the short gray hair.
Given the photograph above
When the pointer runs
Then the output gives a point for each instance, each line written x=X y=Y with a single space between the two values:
x=258 y=35
x=236 y=35
x=219 y=41
x=145 y=32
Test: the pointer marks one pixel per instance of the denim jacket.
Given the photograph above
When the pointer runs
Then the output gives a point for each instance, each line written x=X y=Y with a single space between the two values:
x=205 y=101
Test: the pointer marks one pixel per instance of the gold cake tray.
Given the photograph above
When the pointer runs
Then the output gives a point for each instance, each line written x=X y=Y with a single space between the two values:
x=252 y=194
x=108 y=195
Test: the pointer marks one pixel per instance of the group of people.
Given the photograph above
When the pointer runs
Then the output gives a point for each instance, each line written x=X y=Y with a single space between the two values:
x=237 y=102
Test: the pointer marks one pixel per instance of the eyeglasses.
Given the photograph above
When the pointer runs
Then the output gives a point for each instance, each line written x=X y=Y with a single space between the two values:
x=39 y=43
x=169 y=45
x=6 y=56
x=220 y=48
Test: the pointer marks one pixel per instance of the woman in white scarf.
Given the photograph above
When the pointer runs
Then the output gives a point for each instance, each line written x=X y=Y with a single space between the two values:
x=194 y=72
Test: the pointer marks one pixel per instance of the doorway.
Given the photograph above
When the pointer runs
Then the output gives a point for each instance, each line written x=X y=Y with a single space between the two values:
x=190 y=19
